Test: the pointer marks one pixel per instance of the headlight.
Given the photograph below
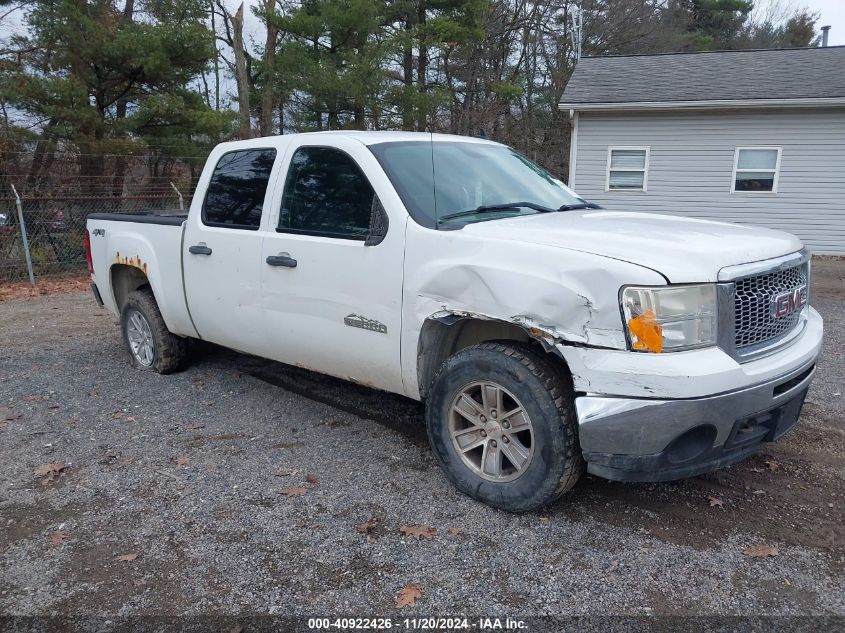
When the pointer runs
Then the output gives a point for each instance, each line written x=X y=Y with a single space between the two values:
x=670 y=318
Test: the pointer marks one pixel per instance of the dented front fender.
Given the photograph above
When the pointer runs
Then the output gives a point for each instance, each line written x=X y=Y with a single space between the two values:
x=557 y=295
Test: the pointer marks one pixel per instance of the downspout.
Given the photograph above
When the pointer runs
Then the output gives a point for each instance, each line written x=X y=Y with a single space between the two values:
x=573 y=146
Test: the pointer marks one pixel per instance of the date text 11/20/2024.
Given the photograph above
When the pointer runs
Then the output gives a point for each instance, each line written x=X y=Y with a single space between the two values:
x=418 y=624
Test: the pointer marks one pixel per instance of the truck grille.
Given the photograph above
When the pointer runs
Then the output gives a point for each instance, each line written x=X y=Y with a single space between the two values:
x=754 y=320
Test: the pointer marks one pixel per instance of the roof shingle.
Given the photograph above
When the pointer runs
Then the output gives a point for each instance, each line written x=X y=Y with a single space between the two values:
x=802 y=73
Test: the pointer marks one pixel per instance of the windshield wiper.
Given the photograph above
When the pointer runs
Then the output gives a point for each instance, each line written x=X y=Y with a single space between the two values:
x=487 y=208
x=579 y=205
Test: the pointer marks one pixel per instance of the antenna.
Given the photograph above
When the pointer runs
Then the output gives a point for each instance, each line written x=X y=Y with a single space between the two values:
x=576 y=30
x=433 y=178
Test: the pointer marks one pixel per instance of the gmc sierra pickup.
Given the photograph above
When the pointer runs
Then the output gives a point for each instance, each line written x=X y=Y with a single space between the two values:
x=545 y=335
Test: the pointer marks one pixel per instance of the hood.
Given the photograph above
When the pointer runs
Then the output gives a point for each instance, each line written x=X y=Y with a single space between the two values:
x=684 y=250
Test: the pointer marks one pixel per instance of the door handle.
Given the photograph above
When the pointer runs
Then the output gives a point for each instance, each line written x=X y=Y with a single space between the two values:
x=282 y=260
x=199 y=249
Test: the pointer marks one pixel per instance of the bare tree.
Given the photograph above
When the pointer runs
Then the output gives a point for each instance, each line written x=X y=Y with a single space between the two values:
x=239 y=68
x=268 y=93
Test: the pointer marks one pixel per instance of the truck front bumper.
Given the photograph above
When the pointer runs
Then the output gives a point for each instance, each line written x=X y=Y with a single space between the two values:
x=675 y=432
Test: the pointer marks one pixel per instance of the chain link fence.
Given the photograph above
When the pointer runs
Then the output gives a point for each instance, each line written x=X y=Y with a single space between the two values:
x=53 y=230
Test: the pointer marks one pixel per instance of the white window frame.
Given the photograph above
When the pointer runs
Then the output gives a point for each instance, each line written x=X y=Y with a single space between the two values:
x=614 y=148
x=776 y=171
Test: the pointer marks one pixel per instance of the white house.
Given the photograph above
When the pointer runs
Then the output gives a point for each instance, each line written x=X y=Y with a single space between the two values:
x=756 y=137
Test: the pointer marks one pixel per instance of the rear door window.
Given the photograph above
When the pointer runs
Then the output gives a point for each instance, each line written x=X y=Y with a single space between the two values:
x=235 y=195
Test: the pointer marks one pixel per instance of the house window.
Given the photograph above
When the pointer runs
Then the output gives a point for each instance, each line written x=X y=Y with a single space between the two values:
x=756 y=169
x=627 y=169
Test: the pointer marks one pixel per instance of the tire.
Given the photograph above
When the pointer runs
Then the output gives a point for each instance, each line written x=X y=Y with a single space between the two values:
x=526 y=379
x=160 y=350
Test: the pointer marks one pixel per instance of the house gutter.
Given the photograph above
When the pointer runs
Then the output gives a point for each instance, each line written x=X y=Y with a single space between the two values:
x=715 y=104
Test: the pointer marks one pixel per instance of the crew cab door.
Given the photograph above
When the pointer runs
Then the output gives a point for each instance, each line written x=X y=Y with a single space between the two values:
x=221 y=252
x=332 y=297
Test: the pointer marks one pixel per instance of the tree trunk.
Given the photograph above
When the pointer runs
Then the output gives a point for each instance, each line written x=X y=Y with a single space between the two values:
x=216 y=60
x=422 y=66
x=408 y=78
x=267 y=91
x=43 y=156
x=120 y=114
x=241 y=79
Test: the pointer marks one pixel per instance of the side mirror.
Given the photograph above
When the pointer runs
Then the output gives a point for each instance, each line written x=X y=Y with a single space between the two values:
x=378 y=223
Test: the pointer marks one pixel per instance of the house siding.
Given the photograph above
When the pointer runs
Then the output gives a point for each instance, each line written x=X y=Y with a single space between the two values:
x=691 y=166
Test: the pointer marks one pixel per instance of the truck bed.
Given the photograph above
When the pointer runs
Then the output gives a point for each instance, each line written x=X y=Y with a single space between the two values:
x=166 y=218
x=151 y=243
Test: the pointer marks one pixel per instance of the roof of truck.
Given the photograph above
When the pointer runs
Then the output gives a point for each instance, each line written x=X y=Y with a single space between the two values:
x=373 y=138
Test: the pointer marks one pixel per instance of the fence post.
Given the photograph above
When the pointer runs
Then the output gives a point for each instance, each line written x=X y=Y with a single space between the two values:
x=179 y=193
x=24 y=238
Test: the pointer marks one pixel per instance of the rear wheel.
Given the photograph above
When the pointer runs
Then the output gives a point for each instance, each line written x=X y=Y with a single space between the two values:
x=150 y=344
x=501 y=423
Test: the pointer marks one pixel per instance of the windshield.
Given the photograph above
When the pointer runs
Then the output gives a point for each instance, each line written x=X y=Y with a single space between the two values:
x=444 y=178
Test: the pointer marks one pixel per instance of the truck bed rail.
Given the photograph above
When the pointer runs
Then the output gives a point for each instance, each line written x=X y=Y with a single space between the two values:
x=142 y=218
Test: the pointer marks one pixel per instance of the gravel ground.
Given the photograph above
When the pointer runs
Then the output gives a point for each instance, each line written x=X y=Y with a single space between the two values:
x=185 y=474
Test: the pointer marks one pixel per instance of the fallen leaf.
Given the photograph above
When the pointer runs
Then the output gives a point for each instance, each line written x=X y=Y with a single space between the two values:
x=455 y=531
x=408 y=596
x=761 y=551
x=127 y=558
x=295 y=471
x=312 y=479
x=57 y=538
x=236 y=629
x=771 y=464
x=715 y=502
x=292 y=492
x=369 y=526
x=418 y=531
x=49 y=471
x=183 y=460
x=117 y=415
x=283 y=473
x=545 y=520
x=93 y=394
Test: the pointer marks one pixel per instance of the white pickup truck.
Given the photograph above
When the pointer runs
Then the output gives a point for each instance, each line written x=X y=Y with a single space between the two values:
x=545 y=335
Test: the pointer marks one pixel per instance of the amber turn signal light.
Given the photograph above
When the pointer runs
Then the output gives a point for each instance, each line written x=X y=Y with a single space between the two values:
x=648 y=333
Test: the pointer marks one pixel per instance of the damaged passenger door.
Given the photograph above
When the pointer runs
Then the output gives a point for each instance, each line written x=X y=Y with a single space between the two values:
x=332 y=269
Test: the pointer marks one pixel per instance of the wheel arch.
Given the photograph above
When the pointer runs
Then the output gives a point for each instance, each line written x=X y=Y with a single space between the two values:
x=124 y=280
x=443 y=335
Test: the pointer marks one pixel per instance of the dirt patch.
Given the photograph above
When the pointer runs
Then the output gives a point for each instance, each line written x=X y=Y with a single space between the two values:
x=43 y=287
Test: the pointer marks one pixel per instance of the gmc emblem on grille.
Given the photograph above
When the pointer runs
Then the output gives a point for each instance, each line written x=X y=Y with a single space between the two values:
x=788 y=302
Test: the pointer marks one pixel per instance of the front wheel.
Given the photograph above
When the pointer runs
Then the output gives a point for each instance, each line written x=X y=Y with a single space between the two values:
x=150 y=344
x=501 y=423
